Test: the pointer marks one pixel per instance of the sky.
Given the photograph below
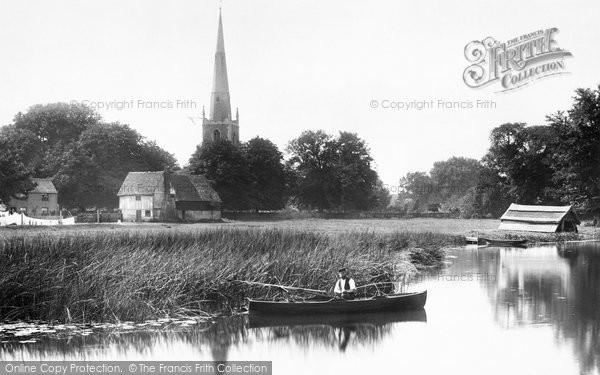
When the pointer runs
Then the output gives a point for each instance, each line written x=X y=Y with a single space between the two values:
x=293 y=66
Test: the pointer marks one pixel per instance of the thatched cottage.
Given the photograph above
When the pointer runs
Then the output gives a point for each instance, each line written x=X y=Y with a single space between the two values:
x=165 y=196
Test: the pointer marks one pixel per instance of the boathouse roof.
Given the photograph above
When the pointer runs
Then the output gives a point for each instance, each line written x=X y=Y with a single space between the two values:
x=547 y=219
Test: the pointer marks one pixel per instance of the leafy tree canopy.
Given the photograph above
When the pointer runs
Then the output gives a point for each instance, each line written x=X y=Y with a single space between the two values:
x=87 y=158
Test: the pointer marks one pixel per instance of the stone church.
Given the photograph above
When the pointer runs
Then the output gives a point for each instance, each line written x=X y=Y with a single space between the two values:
x=220 y=124
x=148 y=196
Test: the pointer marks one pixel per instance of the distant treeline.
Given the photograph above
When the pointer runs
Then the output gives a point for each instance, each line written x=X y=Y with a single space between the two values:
x=88 y=160
x=553 y=164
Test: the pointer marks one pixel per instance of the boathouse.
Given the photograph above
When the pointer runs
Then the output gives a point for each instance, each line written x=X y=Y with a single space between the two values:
x=548 y=219
x=167 y=196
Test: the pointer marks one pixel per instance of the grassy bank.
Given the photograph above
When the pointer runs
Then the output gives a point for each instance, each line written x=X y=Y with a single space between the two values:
x=141 y=275
x=483 y=227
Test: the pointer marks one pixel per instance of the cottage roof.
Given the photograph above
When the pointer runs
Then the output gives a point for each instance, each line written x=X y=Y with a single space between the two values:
x=142 y=183
x=187 y=187
x=43 y=186
x=193 y=188
x=536 y=218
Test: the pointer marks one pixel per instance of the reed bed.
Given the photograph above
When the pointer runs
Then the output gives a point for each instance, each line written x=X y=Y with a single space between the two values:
x=143 y=275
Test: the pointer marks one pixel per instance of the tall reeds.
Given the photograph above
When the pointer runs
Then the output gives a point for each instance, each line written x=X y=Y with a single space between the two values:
x=142 y=275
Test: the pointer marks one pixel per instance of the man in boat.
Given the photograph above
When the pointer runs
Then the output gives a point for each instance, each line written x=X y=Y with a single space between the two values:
x=344 y=287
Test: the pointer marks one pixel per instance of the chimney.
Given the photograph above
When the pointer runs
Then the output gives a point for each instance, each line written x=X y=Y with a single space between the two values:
x=167 y=181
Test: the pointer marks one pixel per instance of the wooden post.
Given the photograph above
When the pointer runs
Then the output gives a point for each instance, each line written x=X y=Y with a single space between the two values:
x=97 y=216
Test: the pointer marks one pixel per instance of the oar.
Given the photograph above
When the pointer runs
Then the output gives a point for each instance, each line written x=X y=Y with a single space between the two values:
x=284 y=287
x=375 y=284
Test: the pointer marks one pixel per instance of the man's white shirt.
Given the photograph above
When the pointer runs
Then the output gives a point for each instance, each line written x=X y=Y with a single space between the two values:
x=339 y=285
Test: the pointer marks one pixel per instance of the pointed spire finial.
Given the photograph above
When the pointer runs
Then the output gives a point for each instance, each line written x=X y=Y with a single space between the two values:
x=220 y=108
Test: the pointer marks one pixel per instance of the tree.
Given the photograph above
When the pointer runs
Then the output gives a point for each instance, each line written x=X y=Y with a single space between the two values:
x=225 y=164
x=490 y=197
x=577 y=154
x=14 y=176
x=356 y=180
x=268 y=188
x=312 y=163
x=45 y=132
x=524 y=156
x=380 y=197
x=87 y=159
x=419 y=187
x=455 y=176
x=333 y=173
x=93 y=169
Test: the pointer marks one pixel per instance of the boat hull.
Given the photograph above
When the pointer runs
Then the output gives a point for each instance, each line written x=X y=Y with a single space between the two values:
x=337 y=320
x=396 y=302
x=492 y=242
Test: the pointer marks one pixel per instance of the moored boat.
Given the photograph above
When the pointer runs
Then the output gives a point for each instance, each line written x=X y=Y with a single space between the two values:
x=502 y=242
x=393 y=302
x=474 y=240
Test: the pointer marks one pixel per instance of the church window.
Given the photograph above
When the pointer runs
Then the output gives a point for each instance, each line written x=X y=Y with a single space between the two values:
x=216 y=135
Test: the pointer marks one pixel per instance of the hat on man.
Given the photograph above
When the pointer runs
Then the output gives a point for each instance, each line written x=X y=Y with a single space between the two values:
x=342 y=269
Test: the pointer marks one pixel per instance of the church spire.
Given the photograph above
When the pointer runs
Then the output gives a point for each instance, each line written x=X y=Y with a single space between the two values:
x=220 y=125
x=220 y=106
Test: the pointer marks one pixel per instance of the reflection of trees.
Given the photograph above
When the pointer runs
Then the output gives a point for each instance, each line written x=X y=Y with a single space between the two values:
x=217 y=337
x=531 y=286
x=582 y=322
x=557 y=286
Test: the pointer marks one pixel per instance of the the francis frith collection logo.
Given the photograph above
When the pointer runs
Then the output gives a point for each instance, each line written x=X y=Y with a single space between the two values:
x=514 y=63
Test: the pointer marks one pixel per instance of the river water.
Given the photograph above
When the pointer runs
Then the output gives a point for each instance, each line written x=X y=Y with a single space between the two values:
x=489 y=311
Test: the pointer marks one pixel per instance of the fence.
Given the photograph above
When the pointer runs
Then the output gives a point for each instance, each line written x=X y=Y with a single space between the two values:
x=21 y=219
x=99 y=217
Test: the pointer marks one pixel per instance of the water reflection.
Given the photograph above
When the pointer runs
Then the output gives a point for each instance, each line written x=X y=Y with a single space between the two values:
x=553 y=285
x=333 y=330
x=213 y=340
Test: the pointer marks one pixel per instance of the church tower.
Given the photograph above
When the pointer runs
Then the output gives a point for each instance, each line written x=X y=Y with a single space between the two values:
x=220 y=124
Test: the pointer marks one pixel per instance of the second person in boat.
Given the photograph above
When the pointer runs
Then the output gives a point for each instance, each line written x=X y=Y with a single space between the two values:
x=344 y=287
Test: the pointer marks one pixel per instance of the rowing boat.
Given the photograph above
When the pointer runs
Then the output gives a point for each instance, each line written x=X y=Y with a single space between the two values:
x=496 y=242
x=474 y=240
x=393 y=302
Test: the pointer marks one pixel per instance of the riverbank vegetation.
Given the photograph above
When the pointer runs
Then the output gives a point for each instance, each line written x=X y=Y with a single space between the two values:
x=131 y=275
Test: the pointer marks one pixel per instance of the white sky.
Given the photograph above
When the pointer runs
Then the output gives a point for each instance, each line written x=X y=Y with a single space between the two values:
x=293 y=65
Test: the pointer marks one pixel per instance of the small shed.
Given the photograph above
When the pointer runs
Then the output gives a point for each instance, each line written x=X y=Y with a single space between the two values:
x=547 y=219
